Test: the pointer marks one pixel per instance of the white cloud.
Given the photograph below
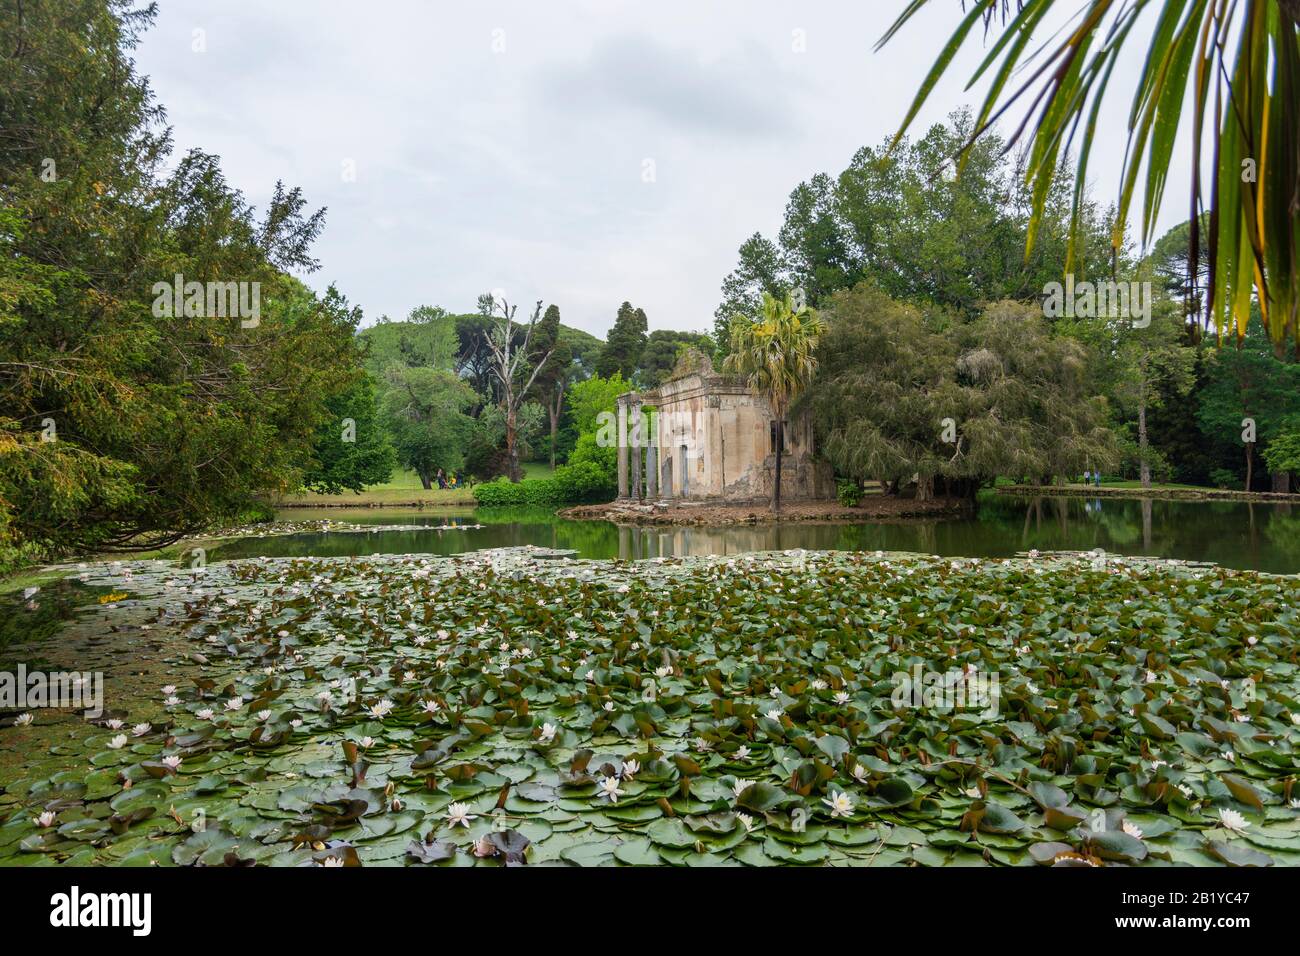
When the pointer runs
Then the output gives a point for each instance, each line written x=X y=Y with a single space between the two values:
x=523 y=168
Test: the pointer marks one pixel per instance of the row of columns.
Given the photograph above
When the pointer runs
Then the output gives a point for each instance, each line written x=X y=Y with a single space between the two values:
x=638 y=454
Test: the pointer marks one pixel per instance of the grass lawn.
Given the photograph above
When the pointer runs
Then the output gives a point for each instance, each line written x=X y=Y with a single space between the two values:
x=403 y=488
x=1155 y=485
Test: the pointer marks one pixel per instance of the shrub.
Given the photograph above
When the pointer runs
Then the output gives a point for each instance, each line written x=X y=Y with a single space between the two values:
x=530 y=491
x=1223 y=478
x=585 y=481
x=849 y=492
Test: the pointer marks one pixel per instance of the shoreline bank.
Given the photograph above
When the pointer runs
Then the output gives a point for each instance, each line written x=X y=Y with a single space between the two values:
x=871 y=508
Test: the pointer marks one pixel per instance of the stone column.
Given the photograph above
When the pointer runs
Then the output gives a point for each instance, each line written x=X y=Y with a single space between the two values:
x=638 y=455
x=652 y=459
x=684 y=469
x=622 y=450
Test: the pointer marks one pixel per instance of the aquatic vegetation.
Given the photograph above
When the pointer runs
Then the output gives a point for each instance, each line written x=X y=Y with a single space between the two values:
x=515 y=707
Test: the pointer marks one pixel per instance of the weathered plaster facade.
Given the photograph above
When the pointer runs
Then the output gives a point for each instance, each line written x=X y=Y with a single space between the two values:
x=705 y=437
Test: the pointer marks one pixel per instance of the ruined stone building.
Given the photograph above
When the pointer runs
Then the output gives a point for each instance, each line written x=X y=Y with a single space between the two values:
x=705 y=437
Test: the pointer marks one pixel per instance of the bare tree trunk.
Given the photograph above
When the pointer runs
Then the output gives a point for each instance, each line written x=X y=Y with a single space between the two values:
x=512 y=442
x=555 y=406
x=1145 y=464
x=555 y=427
x=1250 y=463
x=424 y=479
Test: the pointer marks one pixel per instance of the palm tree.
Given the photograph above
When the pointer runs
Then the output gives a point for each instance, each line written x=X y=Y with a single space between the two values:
x=1239 y=59
x=774 y=354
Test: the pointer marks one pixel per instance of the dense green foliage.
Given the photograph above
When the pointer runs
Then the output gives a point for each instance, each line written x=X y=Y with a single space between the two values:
x=903 y=221
x=126 y=422
x=909 y=224
x=905 y=393
x=352 y=448
x=622 y=352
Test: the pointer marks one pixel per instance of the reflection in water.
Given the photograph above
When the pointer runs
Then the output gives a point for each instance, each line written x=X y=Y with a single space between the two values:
x=1262 y=537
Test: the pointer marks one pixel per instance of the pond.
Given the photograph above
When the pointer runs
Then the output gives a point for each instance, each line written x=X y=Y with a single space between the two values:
x=1233 y=534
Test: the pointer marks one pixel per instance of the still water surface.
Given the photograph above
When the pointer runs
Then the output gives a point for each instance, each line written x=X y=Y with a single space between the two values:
x=1234 y=534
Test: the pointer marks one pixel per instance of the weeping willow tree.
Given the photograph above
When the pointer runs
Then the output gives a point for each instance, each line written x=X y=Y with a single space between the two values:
x=1236 y=61
x=775 y=353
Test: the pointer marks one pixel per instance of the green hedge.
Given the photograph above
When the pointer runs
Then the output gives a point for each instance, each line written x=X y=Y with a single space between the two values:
x=570 y=484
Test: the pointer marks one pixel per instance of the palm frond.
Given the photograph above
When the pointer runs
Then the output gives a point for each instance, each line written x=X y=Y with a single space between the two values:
x=1236 y=61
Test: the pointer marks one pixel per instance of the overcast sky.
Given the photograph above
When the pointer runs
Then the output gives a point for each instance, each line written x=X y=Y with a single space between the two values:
x=578 y=151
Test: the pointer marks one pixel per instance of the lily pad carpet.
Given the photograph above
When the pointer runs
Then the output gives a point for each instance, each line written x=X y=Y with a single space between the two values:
x=507 y=708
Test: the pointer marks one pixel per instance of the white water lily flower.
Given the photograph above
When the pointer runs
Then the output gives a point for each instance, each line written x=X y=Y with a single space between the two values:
x=609 y=788
x=118 y=742
x=172 y=763
x=548 y=733
x=263 y=715
x=742 y=753
x=859 y=773
x=331 y=861
x=365 y=743
x=702 y=745
x=168 y=689
x=819 y=684
x=1295 y=719
x=630 y=769
x=1132 y=829
x=420 y=640
x=747 y=821
x=458 y=815
x=432 y=706
x=740 y=786
x=841 y=697
x=841 y=804
x=114 y=724
x=663 y=671
x=46 y=819
x=441 y=634
x=139 y=730
x=1232 y=820
x=295 y=723
x=23 y=720
x=381 y=709
x=590 y=675
x=408 y=676
x=235 y=703
x=776 y=713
